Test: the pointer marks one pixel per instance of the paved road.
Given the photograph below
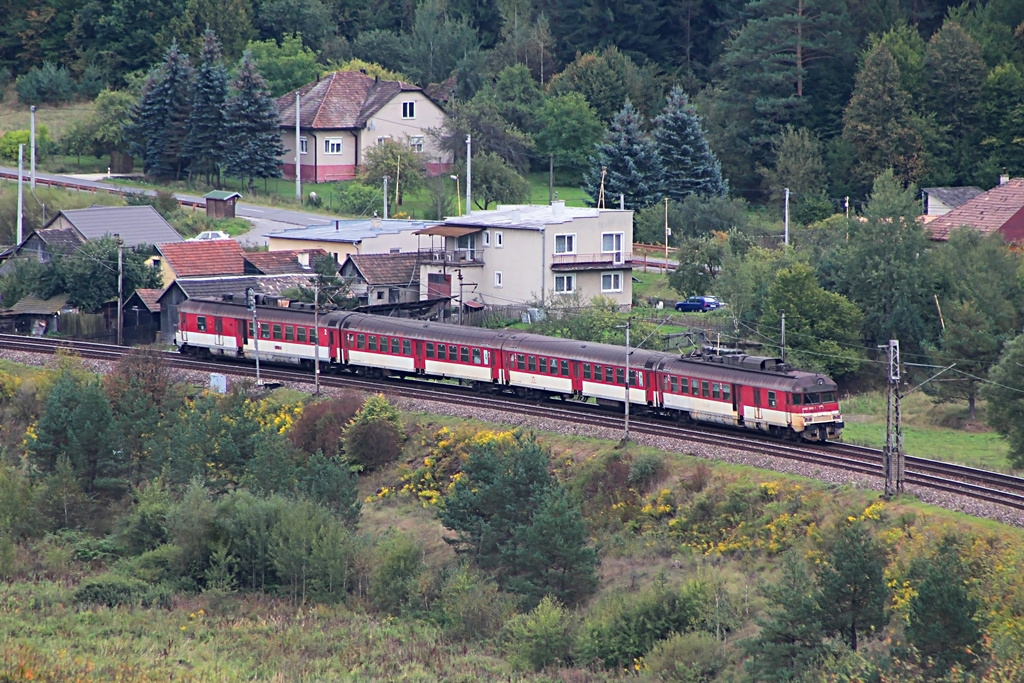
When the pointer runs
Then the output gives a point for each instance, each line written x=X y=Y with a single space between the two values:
x=267 y=219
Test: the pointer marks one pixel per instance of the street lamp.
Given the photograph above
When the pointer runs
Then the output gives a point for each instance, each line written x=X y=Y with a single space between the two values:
x=458 y=192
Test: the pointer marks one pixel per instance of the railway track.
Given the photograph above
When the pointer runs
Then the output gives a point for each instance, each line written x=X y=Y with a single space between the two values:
x=982 y=485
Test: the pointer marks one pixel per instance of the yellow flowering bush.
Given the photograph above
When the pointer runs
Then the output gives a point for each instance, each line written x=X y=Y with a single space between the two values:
x=9 y=385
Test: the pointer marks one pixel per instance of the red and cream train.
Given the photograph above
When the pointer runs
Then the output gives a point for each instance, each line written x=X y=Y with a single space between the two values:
x=744 y=391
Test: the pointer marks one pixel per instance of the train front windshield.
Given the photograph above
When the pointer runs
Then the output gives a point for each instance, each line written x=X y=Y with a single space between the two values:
x=814 y=398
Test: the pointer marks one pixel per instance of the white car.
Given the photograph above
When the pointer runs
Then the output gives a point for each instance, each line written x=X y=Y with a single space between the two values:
x=210 y=235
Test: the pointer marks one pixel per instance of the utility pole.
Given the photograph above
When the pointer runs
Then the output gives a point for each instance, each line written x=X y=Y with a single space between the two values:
x=440 y=192
x=250 y=300
x=316 y=341
x=551 y=178
x=385 y=197
x=667 y=234
x=625 y=435
x=786 y=237
x=298 y=152
x=469 y=175
x=892 y=456
x=120 y=290
x=782 y=312
x=458 y=193
x=622 y=201
x=32 y=142
x=460 y=295
x=21 y=190
x=846 y=206
x=600 y=193
x=398 y=179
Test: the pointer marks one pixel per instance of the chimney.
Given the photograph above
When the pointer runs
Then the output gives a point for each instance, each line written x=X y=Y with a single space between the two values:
x=375 y=222
x=557 y=207
x=1004 y=177
x=337 y=224
x=303 y=257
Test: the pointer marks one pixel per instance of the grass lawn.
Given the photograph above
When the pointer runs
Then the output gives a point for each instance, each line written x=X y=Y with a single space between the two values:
x=923 y=432
x=15 y=116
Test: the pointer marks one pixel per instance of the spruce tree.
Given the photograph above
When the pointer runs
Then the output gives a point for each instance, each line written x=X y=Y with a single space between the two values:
x=688 y=164
x=207 y=131
x=160 y=120
x=631 y=163
x=254 y=125
x=852 y=586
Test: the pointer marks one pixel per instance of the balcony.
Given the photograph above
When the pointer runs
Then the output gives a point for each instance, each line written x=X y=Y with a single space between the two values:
x=453 y=257
x=618 y=260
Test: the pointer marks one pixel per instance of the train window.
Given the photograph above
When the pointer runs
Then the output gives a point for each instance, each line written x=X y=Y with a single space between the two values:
x=771 y=399
x=797 y=399
x=533 y=364
x=520 y=362
x=264 y=330
x=609 y=374
x=218 y=325
x=430 y=349
x=811 y=399
x=725 y=392
x=289 y=333
x=565 y=368
x=201 y=323
x=757 y=397
x=441 y=355
x=360 y=341
x=828 y=397
x=632 y=378
x=544 y=365
x=463 y=354
x=351 y=339
x=705 y=389
x=675 y=385
x=394 y=345
x=453 y=352
x=716 y=390
x=476 y=356
x=406 y=347
x=251 y=333
x=313 y=338
x=371 y=340
x=684 y=385
x=695 y=387
x=586 y=371
x=277 y=331
x=300 y=334
x=620 y=376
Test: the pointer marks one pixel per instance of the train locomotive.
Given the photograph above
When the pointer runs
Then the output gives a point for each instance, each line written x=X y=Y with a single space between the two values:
x=750 y=392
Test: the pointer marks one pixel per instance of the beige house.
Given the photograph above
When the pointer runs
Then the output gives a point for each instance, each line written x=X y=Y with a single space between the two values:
x=526 y=253
x=345 y=113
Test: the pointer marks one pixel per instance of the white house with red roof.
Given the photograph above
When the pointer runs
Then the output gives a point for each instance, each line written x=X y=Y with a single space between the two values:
x=345 y=113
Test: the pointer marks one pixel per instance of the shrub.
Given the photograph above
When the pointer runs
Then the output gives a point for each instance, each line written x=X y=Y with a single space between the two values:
x=10 y=140
x=470 y=605
x=357 y=199
x=48 y=84
x=398 y=563
x=322 y=424
x=645 y=470
x=113 y=590
x=687 y=658
x=90 y=83
x=540 y=638
x=159 y=565
x=372 y=444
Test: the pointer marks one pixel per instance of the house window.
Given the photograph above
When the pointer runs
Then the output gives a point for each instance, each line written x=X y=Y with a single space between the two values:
x=416 y=143
x=611 y=243
x=303 y=145
x=497 y=278
x=332 y=146
x=380 y=295
x=499 y=239
x=487 y=238
x=565 y=284
x=565 y=244
x=381 y=139
x=611 y=282
x=408 y=110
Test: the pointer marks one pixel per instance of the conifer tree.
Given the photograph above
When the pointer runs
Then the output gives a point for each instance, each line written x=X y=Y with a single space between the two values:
x=254 y=138
x=878 y=122
x=207 y=131
x=688 y=164
x=160 y=120
x=852 y=584
x=631 y=164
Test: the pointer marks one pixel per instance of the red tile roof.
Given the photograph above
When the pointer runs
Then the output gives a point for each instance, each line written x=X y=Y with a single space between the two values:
x=986 y=213
x=212 y=257
x=284 y=261
x=386 y=269
x=149 y=297
x=342 y=99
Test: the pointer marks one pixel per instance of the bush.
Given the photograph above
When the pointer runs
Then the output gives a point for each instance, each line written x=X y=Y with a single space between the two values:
x=687 y=658
x=113 y=590
x=471 y=606
x=397 y=567
x=10 y=140
x=48 y=84
x=322 y=424
x=540 y=638
x=372 y=444
x=159 y=565
x=356 y=199
x=645 y=470
x=90 y=83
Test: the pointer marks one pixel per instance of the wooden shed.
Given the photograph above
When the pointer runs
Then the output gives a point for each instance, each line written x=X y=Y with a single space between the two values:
x=221 y=203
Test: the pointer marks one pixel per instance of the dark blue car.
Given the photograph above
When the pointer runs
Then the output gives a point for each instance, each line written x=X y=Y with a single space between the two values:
x=698 y=304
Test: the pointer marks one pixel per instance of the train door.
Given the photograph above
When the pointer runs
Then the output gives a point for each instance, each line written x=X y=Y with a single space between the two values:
x=218 y=330
x=242 y=334
x=650 y=388
x=736 y=400
x=757 y=404
x=419 y=362
x=182 y=329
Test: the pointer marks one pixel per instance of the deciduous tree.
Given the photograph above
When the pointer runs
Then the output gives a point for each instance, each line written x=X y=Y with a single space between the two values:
x=495 y=182
x=286 y=66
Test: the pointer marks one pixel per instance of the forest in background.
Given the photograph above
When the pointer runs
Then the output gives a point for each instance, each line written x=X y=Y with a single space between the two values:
x=933 y=88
